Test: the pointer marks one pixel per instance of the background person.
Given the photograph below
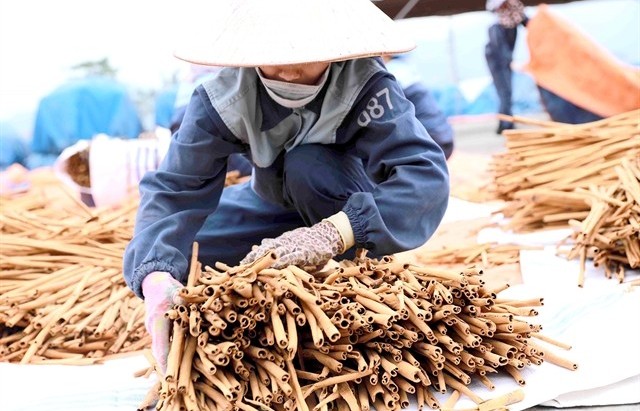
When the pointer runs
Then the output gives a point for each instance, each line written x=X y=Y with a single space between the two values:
x=499 y=51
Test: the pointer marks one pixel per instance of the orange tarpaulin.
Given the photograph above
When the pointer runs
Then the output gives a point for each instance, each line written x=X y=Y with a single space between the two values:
x=568 y=63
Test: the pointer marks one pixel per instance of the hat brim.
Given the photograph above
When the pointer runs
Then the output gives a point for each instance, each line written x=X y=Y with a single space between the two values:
x=251 y=33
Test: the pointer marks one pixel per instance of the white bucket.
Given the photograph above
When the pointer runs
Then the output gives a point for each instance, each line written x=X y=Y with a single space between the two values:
x=116 y=165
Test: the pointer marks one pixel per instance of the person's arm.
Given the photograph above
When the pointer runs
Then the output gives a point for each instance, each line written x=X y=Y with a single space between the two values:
x=177 y=198
x=408 y=167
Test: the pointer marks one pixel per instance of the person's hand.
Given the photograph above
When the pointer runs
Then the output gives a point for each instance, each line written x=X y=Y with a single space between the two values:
x=314 y=245
x=160 y=292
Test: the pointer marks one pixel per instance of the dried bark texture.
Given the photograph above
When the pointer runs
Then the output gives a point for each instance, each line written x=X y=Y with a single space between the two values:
x=545 y=167
x=360 y=334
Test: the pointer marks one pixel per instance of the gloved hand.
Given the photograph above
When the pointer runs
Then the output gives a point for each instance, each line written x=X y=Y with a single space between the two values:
x=313 y=245
x=160 y=292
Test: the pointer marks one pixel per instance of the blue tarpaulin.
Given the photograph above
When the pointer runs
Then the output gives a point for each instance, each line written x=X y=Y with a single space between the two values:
x=78 y=110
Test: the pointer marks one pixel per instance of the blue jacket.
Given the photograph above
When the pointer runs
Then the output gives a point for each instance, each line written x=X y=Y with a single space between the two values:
x=377 y=125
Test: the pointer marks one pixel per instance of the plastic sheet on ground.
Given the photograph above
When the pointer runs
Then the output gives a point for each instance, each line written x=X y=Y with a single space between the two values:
x=535 y=238
x=105 y=387
x=460 y=210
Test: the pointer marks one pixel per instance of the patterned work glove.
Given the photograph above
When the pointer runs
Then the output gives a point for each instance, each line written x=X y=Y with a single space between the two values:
x=160 y=292
x=313 y=245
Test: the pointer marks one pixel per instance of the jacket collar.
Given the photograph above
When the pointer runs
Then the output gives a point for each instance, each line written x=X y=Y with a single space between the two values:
x=273 y=113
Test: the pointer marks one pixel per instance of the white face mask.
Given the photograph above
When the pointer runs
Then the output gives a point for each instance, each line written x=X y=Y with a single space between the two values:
x=292 y=95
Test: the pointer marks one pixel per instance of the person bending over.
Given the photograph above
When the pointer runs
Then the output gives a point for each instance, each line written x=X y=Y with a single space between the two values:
x=340 y=159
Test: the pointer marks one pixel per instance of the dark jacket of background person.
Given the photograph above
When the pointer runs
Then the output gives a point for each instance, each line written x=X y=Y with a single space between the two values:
x=427 y=110
x=431 y=117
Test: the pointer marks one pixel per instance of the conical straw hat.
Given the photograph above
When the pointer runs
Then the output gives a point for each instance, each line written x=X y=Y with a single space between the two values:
x=250 y=33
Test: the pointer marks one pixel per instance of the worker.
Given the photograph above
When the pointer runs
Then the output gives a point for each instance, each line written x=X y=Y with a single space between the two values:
x=499 y=51
x=340 y=160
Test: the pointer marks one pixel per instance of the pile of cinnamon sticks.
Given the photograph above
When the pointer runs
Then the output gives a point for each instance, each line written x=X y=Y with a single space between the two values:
x=485 y=255
x=359 y=334
x=546 y=164
x=610 y=233
x=62 y=295
x=63 y=298
x=362 y=334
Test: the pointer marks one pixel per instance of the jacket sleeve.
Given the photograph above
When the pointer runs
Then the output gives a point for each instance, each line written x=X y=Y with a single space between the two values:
x=176 y=199
x=408 y=167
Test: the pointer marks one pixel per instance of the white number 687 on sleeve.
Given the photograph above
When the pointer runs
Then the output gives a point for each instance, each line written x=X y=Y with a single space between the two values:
x=374 y=109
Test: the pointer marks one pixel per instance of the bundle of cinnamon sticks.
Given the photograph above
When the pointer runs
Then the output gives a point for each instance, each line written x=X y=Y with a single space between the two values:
x=359 y=334
x=610 y=233
x=362 y=334
x=62 y=295
x=63 y=298
x=547 y=162
x=485 y=255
